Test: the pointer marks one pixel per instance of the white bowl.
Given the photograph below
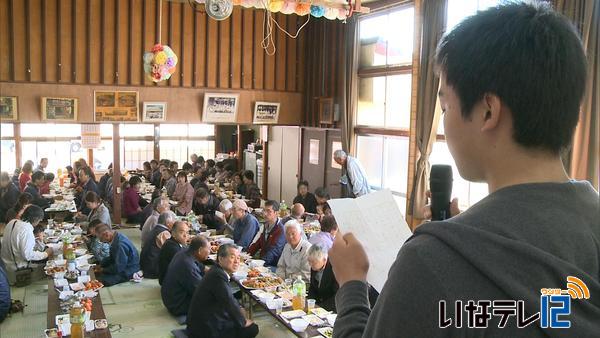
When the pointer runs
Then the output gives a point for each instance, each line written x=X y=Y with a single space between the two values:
x=255 y=263
x=299 y=324
x=265 y=297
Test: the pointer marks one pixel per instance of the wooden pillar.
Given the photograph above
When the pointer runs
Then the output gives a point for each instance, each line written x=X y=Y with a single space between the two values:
x=156 y=141
x=116 y=175
x=90 y=158
x=18 y=149
x=217 y=134
x=240 y=152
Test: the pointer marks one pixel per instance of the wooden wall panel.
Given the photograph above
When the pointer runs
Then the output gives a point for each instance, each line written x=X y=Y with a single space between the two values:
x=200 y=50
x=247 y=44
x=236 y=48
x=224 y=43
x=5 y=46
x=66 y=40
x=18 y=41
x=103 y=41
x=259 y=54
x=280 y=60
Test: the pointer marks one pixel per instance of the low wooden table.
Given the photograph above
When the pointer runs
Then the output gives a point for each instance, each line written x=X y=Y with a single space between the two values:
x=311 y=331
x=54 y=309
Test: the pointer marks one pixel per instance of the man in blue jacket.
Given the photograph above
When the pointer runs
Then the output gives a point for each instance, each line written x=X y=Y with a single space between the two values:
x=185 y=272
x=272 y=240
x=245 y=227
x=33 y=188
x=123 y=261
x=4 y=294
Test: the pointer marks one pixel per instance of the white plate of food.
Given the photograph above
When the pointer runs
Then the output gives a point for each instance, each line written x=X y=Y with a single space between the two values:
x=261 y=282
x=326 y=331
x=292 y=314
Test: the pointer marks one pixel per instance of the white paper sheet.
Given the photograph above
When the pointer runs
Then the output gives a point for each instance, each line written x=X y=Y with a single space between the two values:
x=378 y=224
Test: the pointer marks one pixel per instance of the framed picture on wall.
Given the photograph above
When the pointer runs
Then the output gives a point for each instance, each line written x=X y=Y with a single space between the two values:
x=59 y=109
x=8 y=108
x=326 y=110
x=154 y=112
x=116 y=106
x=266 y=113
x=220 y=108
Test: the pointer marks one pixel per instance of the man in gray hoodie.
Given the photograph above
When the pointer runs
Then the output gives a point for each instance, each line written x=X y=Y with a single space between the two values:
x=512 y=80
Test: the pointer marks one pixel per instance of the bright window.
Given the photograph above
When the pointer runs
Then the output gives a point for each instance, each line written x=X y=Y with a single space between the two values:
x=50 y=130
x=59 y=153
x=460 y=9
x=8 y=156
x=7 y=130
x=385 y=161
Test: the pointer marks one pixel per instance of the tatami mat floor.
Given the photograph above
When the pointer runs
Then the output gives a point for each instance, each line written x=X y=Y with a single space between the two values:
x=132 y=310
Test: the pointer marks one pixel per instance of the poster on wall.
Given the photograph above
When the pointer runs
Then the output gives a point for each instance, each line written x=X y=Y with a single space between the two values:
x=154 y=112
x=220 y=108
x=59 y=109
x=116 y=106
x=266 y=113
x=8 y=108
x=90 y=136
x=313 y=154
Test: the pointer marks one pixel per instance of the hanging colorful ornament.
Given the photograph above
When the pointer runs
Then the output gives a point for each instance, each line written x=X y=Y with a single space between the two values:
x=160 y=63
x=317 y=11
x=289 y=7
x=302 y=9
x=342 y=14
x=275 y=5
x=330 y=13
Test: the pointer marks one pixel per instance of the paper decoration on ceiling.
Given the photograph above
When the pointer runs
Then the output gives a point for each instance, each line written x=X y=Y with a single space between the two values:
x=219 y=9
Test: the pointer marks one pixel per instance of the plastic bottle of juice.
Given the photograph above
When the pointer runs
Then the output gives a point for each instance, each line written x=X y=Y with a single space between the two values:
x=299 y=291
x=77 y=324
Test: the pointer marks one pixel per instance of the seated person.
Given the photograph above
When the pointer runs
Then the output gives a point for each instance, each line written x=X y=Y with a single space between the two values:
x=17 y=211
x=25 y=175
x=15 y=177
x=322 y=196
x=306 y=198
x=297 y=213
x=184 y=273
x=210 y=168
x=221 y=175
x=98 y=211
x=18 y=243
x=132 y=202
x=123 y=260
x=272 y=240
x=159 y=205
x=5 y=301
x=177 y=242
x=38 y=233
x=250 y=190
x=9 y=194
x=325 y=237
x=214 y=312
x=33 y=188
x=187 y=168
x=200 y=179
x=104 y=181
x=246 y=225
x=174 y=167
x=151 y=248
x=184 y=194
x=294 y=258
x=45 y=188
x=323 y=285
x=86 y=178
x=71 y=175
x=169 y=182
x=237 y=183
x=226 y=216
x=205 y=206
x=99 y=249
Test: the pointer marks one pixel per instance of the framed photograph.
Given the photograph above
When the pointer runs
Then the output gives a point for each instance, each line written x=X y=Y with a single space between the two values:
x=220 y=108
x=326 y=110
x=266 y=112
x=59 y=109
x=8 y=108
x=116 y=106
x=154 y=112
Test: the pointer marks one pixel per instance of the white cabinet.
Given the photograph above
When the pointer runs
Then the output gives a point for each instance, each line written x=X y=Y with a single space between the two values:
x=283 y=162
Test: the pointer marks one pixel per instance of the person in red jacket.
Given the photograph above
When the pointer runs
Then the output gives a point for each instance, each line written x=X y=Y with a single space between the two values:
x=272 y=239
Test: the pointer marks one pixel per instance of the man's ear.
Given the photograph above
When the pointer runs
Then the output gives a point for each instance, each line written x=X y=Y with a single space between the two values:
x=491 y=111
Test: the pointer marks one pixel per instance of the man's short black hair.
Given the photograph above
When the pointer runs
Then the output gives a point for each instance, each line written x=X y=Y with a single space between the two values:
x=187 y=166
x=321 y=192
x=273 y=204
x=210 y=163
x=202 y=193
x=531 y=58
x=302 y=183
x=88 y=172
x=248 y=174
x=152 y=161
x=38 y=175
x=49 y=177
x=197 y=242
x=134 y=180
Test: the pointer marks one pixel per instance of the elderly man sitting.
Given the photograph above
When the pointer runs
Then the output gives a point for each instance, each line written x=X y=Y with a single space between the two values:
x=225 y=216
x=294 y=258
x=246 y=225
x=323 y=285
x=325 y=237
x=185 y=272
x=177 y=242
x=151 y=248
x=123 y=260
x=214 y=312
x=205 y=206
x=297 y=213
x=159 y=205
